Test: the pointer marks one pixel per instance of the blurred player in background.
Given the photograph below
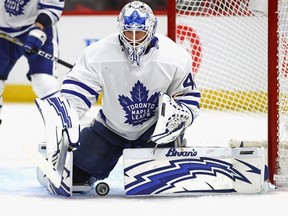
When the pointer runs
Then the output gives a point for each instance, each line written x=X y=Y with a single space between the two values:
x=149 y=96
x=34 y=23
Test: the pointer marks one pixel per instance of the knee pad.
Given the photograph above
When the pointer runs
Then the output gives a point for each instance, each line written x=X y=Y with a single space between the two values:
x=45 y=85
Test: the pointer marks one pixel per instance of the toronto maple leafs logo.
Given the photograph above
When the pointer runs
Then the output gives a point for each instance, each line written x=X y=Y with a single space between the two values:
x=139 y=108
x=15 y=7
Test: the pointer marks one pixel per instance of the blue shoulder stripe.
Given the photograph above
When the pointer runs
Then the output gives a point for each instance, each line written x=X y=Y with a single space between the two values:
x=74 y=93
x=83 y=86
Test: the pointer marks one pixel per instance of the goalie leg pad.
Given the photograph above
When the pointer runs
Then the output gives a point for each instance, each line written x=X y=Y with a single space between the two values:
x=65 y=188
x=59 y=119
x=193 y=171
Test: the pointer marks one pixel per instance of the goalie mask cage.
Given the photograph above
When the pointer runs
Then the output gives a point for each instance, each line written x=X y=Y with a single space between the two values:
x=240 y=57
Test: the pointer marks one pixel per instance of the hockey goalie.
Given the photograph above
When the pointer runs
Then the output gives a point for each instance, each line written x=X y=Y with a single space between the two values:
x=161 y=170
x=149 y=98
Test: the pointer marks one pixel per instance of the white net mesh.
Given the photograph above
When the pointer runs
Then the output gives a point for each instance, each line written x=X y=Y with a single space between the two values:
x=228 y=41
x=229 y=49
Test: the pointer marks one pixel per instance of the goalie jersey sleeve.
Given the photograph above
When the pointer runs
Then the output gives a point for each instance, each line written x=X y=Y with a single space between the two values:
x=17 y=17
x=130 y=92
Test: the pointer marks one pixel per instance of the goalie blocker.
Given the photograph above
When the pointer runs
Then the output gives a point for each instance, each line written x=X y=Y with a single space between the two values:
x=194 y=171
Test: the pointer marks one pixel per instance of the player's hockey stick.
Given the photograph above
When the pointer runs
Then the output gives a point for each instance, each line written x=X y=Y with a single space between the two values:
x=40 y=52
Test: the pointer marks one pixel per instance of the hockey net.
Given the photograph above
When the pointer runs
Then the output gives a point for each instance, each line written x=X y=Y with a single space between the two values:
x=232 y=60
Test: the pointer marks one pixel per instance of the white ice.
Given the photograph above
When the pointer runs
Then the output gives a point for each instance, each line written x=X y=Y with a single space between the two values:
x=20 y=192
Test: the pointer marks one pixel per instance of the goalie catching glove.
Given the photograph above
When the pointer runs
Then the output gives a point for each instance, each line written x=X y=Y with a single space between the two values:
x=61 y=123
x=173 y=119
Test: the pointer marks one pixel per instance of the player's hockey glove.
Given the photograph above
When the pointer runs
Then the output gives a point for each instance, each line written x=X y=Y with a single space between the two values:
x=172 y=121
x=34 y=41
x=61 y=124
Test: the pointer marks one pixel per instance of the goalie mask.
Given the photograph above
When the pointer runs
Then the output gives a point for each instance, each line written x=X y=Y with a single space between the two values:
x=137 y=25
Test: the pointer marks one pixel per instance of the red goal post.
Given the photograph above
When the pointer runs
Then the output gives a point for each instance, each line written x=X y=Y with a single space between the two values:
x=240 y=63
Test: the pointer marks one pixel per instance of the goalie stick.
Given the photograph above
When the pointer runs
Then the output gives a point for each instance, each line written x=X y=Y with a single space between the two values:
x=40 y=52
x=53 y=173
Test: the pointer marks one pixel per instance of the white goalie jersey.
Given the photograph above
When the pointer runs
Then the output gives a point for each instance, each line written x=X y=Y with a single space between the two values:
x=17 y=17
x=130 y=92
